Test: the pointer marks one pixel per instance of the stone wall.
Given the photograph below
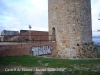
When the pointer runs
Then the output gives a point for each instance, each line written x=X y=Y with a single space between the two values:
x=85 y=50
x=72 y=22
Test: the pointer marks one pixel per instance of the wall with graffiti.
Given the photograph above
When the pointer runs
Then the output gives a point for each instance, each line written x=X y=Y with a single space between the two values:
x=36 y=49
x=41 y=50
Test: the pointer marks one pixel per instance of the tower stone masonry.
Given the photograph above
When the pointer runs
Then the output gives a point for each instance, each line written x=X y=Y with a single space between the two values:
x=70 y=25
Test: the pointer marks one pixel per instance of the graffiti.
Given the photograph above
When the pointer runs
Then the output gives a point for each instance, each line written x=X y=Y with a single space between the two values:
x=41 y=50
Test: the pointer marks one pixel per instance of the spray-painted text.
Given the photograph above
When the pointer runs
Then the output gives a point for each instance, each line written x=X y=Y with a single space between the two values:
x=41 y=50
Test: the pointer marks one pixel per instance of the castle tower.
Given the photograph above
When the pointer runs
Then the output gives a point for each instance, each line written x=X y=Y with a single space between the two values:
x=70 y=25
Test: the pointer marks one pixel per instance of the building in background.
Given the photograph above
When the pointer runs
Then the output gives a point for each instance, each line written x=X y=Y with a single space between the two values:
x=36 y=36
x=7 y=35
x=24 y=36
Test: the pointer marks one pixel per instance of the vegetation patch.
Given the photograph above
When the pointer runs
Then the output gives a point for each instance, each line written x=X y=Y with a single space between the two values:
x=72 y=66
x=17 y=73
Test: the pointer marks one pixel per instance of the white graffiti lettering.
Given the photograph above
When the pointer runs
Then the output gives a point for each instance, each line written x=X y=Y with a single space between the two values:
x=41 y=50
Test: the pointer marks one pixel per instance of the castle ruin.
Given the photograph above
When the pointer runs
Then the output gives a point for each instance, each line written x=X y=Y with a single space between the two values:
x=70 y=25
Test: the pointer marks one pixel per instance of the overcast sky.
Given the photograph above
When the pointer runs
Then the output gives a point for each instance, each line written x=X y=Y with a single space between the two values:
x=18 y=14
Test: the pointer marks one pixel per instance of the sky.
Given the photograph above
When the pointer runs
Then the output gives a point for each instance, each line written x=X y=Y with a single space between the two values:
x=19 y=14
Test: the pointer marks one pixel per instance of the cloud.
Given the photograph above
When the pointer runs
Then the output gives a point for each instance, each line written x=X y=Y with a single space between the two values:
x=39 y=4
x=95 y=33
x=95 y=15
x=20 y=13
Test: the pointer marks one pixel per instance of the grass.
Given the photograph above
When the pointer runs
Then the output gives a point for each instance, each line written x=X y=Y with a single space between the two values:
x=17 y=73
x=71 y=73
x=40 y=61
x=73 y=67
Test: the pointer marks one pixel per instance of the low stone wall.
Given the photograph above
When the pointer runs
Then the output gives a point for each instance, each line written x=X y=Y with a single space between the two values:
x=24 y=49
x=86 y=50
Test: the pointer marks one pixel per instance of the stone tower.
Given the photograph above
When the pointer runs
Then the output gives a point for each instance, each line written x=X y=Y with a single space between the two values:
x=70 y=25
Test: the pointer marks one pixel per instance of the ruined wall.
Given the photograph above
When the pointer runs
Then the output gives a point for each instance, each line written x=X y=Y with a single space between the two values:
x=72 y=22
